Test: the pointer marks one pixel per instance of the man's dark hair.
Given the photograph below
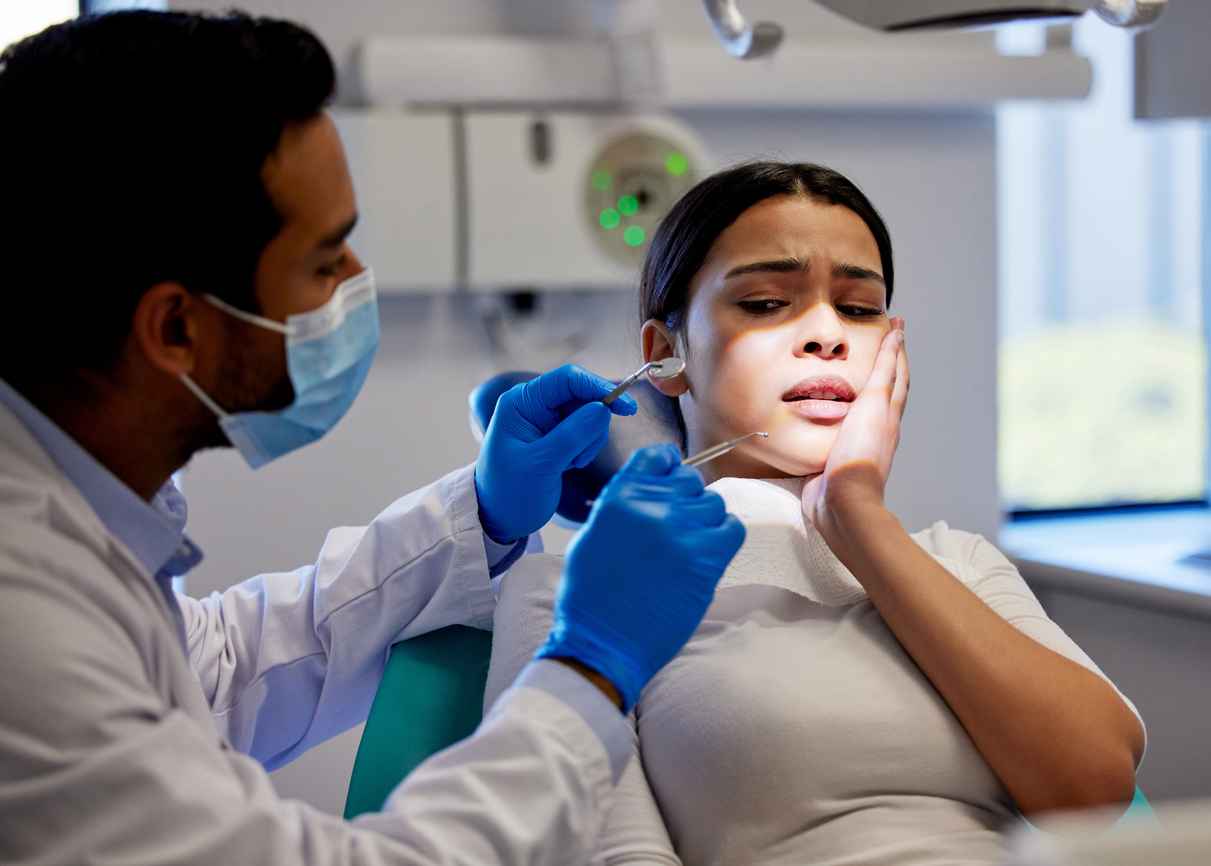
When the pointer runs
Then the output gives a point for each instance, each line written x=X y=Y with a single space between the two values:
x=686 y=234
x=131 y=150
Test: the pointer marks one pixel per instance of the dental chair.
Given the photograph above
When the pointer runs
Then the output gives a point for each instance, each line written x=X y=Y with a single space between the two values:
x=431 y=694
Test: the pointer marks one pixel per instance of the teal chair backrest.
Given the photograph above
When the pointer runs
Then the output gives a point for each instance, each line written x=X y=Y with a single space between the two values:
x=431 y=696
x=1140 y=809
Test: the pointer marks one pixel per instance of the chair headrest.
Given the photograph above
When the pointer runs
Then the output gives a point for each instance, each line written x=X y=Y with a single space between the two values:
x=655 y=422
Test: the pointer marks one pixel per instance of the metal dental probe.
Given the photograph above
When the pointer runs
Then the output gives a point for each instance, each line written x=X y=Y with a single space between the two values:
x=708 y=454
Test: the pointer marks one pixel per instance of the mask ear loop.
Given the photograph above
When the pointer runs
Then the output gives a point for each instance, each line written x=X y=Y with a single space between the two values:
x=251 y=318
x=203 y=397
x=242 y=315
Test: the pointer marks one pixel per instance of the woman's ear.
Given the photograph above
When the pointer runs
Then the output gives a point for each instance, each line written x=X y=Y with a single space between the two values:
x=660 y=343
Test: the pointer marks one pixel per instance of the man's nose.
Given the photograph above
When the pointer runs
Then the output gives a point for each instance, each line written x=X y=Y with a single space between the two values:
x=354 y=264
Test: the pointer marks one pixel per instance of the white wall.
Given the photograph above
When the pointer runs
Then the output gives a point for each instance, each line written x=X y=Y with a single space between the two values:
x=933 y=177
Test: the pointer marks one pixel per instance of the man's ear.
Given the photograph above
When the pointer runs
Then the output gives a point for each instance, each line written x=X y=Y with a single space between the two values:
x=165 y=328
x=660 y=343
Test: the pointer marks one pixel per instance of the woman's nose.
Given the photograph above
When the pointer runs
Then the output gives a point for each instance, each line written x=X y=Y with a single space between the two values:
x=822 y=336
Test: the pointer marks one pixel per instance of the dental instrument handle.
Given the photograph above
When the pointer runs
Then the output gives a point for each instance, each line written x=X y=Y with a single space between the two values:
x=626 y=383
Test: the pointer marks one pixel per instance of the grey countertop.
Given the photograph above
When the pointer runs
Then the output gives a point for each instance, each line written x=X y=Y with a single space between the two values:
x=1134 y=557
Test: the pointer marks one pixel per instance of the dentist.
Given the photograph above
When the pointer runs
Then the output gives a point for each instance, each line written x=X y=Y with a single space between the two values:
x=174 y=219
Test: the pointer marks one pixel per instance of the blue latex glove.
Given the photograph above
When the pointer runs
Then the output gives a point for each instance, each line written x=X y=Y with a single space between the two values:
x=539 y=430
x=641 y=574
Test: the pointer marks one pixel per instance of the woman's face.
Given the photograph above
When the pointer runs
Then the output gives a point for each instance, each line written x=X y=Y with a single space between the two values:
x=783 y=323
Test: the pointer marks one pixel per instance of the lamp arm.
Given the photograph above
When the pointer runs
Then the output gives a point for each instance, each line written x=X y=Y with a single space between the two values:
x=741 y=39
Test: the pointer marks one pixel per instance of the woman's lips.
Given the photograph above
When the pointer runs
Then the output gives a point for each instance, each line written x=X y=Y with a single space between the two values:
x=820 y=411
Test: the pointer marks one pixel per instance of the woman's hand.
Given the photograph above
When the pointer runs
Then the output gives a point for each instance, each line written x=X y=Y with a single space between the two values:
x=859 y=463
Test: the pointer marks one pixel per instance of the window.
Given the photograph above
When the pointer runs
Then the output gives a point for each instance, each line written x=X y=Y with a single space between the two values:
x=1102 y=354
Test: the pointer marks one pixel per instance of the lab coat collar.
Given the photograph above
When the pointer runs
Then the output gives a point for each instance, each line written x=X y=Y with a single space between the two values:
x=153 y=532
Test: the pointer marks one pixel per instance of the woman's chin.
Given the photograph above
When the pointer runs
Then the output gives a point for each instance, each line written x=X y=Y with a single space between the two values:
x=795 y=464
x=800 y=453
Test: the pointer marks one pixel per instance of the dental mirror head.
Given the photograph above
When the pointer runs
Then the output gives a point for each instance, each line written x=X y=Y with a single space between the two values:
x=667 y=368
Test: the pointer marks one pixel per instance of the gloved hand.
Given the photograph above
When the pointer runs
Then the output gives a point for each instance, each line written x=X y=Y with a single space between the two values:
x=539 y=430
x=640 y=575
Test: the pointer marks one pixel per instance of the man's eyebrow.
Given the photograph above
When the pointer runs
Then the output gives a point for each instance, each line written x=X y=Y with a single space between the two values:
x=857 y=272
x=773 y=266
x=336 y=238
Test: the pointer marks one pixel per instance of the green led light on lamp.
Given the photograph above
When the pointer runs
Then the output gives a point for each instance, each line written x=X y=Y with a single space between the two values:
x=634 y=236
x=609 y=219
x=628 y=205
x=676 y=164
x=601 y=180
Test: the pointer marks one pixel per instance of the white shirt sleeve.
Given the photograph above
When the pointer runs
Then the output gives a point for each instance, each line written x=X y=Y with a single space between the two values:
x=289 y=659
x=634 y=832
x=98 y=765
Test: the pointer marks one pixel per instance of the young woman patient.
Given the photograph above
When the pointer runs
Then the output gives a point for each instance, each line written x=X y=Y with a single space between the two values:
x=856 y=694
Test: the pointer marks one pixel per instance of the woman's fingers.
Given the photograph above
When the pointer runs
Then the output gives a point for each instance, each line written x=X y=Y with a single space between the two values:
x=883 y=377
x=872 y=430
x=897 y=404
x=899 y=394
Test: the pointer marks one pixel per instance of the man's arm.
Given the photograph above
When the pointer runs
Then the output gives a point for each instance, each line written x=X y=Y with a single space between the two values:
x=633 y=831
x=96 y=766
x=289 y=659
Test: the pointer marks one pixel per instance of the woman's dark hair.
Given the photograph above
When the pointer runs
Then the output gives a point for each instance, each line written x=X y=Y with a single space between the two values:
x=681 y=243
x=131 y=152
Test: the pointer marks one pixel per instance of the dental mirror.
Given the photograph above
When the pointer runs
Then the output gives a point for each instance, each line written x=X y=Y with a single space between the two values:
x=666 y=368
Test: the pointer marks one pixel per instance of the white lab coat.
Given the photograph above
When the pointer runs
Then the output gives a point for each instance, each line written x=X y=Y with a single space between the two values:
x=111 y=751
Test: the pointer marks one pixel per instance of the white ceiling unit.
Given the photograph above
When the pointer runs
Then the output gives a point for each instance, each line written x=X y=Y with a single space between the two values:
x=499 y=162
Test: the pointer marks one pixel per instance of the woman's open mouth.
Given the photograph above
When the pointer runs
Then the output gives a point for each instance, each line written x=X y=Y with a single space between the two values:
x=823 y=399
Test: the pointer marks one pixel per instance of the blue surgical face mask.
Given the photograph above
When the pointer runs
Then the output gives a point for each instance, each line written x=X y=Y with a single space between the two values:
x=328 y=354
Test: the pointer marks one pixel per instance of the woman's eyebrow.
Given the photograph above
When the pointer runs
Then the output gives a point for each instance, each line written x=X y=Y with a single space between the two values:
x=843 y=271
x=775 y=266
x=856 y=272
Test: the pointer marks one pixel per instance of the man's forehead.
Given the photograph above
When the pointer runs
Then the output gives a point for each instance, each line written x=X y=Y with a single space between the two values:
x=307 y=178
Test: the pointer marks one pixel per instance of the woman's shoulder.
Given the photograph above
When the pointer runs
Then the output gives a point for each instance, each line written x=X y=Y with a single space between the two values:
x=972 y=554
x=941 y=539
x=530 y=582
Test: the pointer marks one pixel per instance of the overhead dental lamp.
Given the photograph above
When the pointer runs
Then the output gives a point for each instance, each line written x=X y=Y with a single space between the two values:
x=747 y=40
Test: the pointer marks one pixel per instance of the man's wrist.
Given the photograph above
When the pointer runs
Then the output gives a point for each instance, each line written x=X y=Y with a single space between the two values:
x=491 y=531
x=491 y=536
x=606 y=687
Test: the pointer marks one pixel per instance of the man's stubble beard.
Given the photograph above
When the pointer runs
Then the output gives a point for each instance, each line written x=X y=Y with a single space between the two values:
x=242 y=387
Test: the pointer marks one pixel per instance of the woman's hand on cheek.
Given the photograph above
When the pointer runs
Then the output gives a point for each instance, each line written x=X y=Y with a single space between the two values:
x=859 y=463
